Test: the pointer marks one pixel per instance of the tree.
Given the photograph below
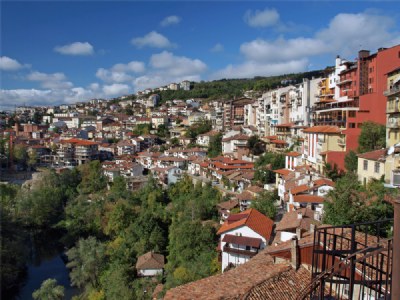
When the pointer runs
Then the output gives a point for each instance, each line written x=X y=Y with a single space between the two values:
x=32 y=158
x=255 y=145
x=351 y=161
x=264 y=203
x=372 y=137
x=332 y=172
x=86 y=261
x=215 y=147
x=20 y=154
x=49 y=290
x=345 y=204
x=93 y=179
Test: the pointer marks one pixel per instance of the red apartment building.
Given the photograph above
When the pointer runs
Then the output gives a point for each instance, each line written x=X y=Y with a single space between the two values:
x=364 y=85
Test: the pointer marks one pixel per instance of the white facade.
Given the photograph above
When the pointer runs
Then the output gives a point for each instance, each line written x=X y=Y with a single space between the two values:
x=149 y=272
x=234 y=258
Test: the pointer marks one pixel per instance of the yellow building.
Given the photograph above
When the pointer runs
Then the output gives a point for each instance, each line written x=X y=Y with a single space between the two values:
x=393 y=108
x=371 y=165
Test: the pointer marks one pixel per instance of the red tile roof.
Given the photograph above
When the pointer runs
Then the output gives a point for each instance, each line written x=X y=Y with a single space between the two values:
x=377 y=155
x=299 y=189
x=308 y=199
x=322 y=129
x=293 y=154
x=282 y=171
x=253 y=219
x=279 y=142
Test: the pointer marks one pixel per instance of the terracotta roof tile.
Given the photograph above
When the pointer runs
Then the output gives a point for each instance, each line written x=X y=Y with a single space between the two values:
x=293 y=154
x=377 y=155
x=322 y=129
x=308 y=199
x=150 y=260
x=254 y=220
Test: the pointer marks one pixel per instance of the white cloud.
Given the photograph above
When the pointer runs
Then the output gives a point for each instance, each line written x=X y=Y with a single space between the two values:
x=261 y=18
x=9 y=64
x=116 y=89
x=250 y=69
x=176 y=65
x=77 y=48
x=344 y=35
x=348 y=33
x=50 y=81
x=281 y=49
x=120 y=72
x=218 y=47
x=152 y=39
x=170 y=20
x=133 y=66
x=112 y=76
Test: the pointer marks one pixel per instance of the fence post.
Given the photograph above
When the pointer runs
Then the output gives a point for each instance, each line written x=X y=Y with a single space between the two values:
x=395 y=290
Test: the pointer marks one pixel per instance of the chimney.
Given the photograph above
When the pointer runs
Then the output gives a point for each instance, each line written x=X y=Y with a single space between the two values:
x=298 y=233
x=294 y=251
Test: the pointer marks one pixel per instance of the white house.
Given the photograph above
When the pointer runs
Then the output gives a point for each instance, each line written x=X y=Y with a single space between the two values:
x=243 y=235
x=150 y=264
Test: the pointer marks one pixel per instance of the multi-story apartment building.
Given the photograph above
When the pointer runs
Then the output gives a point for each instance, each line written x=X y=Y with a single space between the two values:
x=320 y=141
x=358 y=92
x=393 y=108
x=234 y=112
x=76 y=151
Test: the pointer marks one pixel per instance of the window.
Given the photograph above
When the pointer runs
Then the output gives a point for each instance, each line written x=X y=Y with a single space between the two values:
x=365 y=165
x=377 y=165
x=248 y=248
x=352 y=114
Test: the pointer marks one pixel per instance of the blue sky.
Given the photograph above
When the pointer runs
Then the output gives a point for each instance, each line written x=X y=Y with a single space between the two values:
x=62 y=52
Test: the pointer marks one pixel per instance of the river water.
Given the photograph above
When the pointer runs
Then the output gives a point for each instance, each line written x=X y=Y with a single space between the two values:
x=46 y=262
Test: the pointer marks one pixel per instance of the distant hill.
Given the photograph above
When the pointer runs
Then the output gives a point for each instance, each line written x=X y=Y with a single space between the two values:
x=225 y=89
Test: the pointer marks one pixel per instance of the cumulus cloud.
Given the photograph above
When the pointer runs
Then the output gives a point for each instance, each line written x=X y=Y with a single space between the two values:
x=170 y=20
x=165 y=67
x=281 y=49
x=77 y=48
x=345 y=35
x=176 y=65
x=252 y=68
x=9 y=64
x=218 y=47
x=116 y=89
x=261 y=18
x=50 y=81
x=152 y=39
x=120 y=72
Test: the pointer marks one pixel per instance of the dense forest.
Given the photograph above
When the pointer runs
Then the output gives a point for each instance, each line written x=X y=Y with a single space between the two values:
x=229 y=88
x=106 y=230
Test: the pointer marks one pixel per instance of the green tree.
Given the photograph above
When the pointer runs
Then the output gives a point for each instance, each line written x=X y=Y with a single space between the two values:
x=264 y=203
x=332 y=172
x=255 y=145
x=372 y=137
x=49 y=290
x=93 y=179
x=215 y=146
x=351 y=161
x=86 y=261
x=20 y=154
x=345 y=204
x=32 y=158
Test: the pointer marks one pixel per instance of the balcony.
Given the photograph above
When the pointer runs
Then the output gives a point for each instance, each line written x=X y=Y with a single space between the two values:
x=239 y=251
x=395 y=124
x=393 y=108
x=341 y=142
x=393 y=90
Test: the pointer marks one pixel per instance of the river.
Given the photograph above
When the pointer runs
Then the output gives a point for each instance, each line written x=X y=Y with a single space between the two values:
x=46 y=262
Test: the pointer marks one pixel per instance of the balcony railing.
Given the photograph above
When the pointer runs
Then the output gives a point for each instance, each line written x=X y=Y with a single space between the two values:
x=239 y=251
x=393 y=108
x=393 y=90
x=394 y=124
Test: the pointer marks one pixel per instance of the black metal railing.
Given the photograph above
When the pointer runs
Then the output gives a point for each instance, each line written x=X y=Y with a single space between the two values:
x=351 y=262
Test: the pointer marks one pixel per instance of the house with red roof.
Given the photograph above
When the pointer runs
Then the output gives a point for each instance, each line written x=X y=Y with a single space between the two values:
x=242 y=236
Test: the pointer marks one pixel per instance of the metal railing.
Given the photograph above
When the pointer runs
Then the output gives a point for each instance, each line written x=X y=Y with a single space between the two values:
x=351 y=262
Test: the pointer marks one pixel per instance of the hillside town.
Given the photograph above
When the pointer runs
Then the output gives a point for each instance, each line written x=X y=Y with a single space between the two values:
x=293 y=142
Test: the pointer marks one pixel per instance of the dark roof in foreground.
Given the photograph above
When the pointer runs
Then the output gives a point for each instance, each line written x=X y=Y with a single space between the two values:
x=247 y=281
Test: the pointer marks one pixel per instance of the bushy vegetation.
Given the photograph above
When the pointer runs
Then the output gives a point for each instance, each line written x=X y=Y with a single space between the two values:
x=229 y=88
x=106 y=230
